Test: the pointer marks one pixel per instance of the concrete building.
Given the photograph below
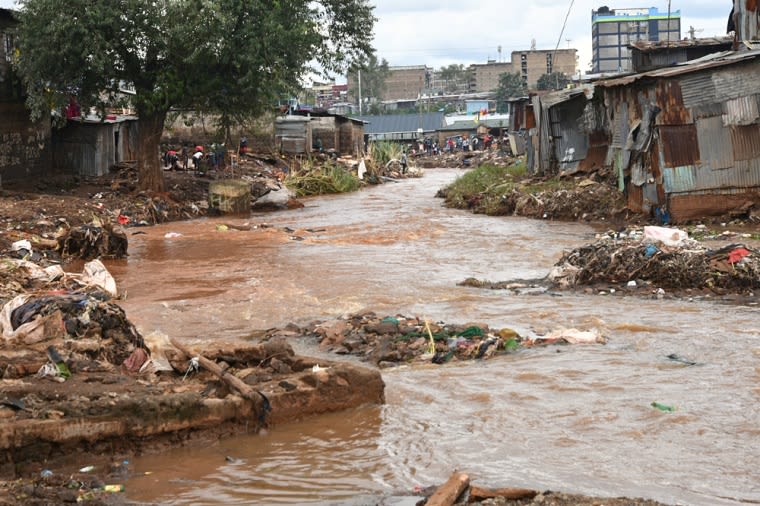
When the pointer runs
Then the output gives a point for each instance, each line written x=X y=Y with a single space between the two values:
x=484 y=77
x=530 y=64
x=534 y=63
x=614 y=30
x=402 y=83
x=406 y=82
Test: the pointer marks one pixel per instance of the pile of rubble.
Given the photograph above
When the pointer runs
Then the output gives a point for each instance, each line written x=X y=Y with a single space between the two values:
x=664 y=257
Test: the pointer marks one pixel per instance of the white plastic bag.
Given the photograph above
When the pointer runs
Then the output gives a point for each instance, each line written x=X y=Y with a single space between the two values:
x=667 y=236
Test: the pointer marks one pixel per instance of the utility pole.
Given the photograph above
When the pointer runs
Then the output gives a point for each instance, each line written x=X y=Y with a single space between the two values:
x=360 y=92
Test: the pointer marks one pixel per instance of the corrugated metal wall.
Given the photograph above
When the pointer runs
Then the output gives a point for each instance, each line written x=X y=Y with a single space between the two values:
x=293 y=135
x=714 y=144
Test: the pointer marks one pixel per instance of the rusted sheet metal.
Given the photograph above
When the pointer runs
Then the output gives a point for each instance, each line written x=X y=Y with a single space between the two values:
x=714 y=143
x=708 y=62
x=530 y=118
x=679 y=179
x=670 y=100
x=635 y=198
x=594 y=159
x=746 y=142
x=748 y=19
x=741 y=111
x=679 y=145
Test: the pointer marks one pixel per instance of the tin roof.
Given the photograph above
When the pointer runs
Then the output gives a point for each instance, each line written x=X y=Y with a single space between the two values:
x=704 y=63
x=398 y=123
x=558 y=97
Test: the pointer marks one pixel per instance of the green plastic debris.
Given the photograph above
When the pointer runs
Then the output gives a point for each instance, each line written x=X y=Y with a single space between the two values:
x=471 y=332
x=389 y=319
x=663 y=407
x=511 y=344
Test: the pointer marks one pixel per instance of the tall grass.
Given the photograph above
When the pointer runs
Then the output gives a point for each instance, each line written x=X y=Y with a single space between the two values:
x=481 y=189
x=384 y=151
x=319 y=181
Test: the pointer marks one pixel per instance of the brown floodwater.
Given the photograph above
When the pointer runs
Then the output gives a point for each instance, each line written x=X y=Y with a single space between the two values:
x=573 y=418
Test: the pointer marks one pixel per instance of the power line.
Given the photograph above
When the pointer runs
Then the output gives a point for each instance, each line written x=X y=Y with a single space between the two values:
x=559 y=39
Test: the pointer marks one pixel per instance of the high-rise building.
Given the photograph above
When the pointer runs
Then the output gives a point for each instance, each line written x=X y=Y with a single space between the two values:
x=612 y=30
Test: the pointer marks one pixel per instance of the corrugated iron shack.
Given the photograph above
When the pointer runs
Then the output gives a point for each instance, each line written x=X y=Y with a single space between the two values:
x=292 y=134
x=336 y=132
x=521 y=120
x=649 y=55
x=91 y=146
x=564 y=123
x=687 y=138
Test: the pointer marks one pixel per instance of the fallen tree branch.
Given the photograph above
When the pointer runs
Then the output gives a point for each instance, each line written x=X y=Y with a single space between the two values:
x=447 y=494
x=259 y=400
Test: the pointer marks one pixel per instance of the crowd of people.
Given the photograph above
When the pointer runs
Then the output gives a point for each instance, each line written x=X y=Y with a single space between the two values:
x=200 y=158
x=455 y=144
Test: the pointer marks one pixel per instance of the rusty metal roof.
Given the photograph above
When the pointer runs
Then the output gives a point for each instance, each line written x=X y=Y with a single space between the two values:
x=647 y=46
x=558 y=97
x=705 y=63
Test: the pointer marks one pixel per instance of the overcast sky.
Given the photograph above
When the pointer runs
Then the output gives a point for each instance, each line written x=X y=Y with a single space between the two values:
x=439 y=32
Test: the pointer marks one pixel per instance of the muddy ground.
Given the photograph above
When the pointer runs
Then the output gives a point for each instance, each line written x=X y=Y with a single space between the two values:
x=33 y=407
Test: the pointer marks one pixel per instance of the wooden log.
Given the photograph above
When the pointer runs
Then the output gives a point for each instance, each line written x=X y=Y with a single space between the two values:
x=478 y=494
x=447 y=494
x=242 y=228
x=258 y=400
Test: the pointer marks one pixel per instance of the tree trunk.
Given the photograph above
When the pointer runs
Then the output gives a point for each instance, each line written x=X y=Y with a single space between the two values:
x=150 y=127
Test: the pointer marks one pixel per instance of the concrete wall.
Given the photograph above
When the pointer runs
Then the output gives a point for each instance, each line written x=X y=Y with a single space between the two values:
x=24 y=145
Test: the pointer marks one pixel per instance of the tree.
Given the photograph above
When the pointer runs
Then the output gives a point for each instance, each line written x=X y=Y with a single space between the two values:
x=455 y=77
x=232 y=58
x=373 y=77
x=510 y=85
x=553 y=81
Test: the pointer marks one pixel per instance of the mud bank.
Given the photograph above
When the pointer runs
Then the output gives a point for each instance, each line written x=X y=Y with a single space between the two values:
x=109 y=412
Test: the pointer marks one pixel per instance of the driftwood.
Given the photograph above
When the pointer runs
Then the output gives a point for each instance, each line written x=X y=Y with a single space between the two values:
x=242 y=228
x=478 y=494
x=447 y=494
x=260 y=402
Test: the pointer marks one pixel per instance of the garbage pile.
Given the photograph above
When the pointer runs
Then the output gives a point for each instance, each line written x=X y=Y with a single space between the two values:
x=58 y=312
x=396 y=339
x=92 y=241
x=660 y=256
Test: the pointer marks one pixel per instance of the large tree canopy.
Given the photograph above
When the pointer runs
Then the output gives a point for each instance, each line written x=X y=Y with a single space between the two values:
x=553 y=81
x=230 y=57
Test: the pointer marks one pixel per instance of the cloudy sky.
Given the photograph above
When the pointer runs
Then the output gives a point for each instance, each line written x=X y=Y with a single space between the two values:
x=439 y=32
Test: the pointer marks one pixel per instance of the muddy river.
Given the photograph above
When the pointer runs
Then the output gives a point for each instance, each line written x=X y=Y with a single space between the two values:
x=576 y=419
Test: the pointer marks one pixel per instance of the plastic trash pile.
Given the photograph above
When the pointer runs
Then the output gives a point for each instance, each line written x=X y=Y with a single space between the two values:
x=395 y=339
x=665 y=257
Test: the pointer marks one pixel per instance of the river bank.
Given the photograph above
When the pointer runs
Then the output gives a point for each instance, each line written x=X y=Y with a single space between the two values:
x=331 y=234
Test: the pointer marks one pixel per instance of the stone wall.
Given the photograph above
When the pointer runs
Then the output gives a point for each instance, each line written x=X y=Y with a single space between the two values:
x=24 y=145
